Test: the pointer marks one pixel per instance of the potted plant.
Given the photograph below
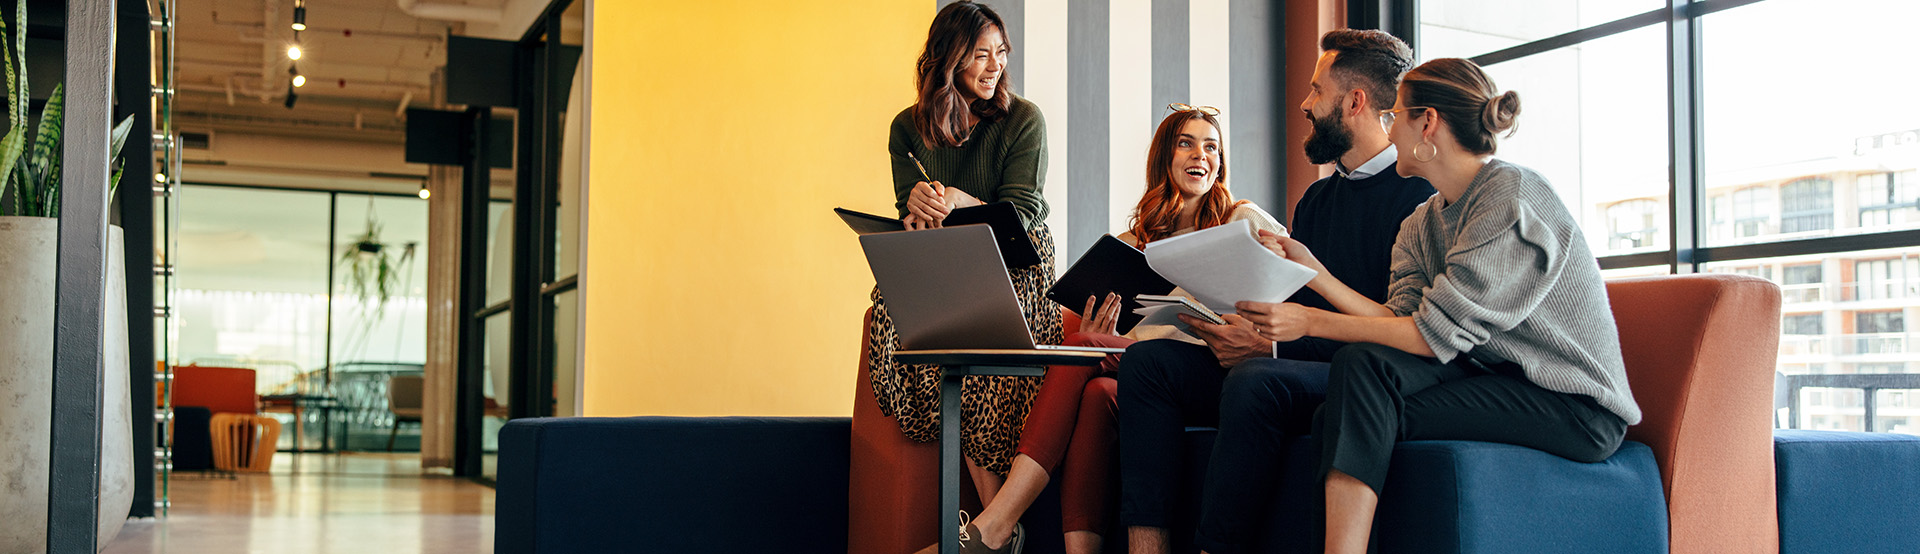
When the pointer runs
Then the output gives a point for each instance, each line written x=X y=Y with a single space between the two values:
x=29 y=236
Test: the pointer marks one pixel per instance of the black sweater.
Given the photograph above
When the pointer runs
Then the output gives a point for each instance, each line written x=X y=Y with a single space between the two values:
x=1350 y=225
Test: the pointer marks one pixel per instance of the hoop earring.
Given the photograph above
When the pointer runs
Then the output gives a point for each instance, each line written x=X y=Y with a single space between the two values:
x=1433 y=152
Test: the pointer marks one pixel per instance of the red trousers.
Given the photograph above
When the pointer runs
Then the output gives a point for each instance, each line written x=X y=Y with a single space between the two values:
x=1072 y=423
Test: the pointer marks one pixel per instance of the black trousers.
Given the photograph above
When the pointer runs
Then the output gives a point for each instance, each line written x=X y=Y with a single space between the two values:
x=1165 y=387
x=1262 y=403
x=1377 y=395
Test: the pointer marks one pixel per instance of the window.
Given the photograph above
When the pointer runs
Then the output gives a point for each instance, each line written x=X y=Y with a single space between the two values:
x=1808 y=274
x=1806 y=205
x=1766 y=193
x=1802 y=283
x=1802 y=324
x=1632 y=224
x=1880 y=368
x=1752 y=210
x=1761 y=271
x=1888 y=199
x=1587 y=114
x=1879 y=322
x=1885 y=279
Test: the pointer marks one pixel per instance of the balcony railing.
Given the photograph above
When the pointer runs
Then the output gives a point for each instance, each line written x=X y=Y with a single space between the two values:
x=1810 y=292
x=1874 y=343
x=1892 y=289
x=1804 y=345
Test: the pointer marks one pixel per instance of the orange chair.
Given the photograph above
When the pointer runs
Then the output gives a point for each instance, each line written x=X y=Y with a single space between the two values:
x=221 y=389
x=1700 y=352
x=242 y=440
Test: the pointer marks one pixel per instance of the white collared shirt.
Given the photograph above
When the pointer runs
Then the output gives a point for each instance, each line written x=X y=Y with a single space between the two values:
x=1372 y=167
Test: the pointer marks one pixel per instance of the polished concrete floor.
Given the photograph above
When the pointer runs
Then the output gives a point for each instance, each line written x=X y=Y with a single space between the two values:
x=319 y=504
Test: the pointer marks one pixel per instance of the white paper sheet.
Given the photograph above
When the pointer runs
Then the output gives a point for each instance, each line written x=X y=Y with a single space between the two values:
x=1224 y=264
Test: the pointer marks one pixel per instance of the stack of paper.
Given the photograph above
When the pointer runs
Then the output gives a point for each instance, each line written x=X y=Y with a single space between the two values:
x=1224 y=264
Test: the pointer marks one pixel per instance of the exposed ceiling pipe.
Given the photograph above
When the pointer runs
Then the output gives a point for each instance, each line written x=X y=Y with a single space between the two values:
x=269 y=52
x=404 y=100
x=450 y=12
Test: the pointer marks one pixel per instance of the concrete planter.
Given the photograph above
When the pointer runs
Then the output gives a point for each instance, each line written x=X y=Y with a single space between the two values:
x=27 y=272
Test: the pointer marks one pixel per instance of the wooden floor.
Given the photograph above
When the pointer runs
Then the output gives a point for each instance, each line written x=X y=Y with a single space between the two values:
x=319 y=504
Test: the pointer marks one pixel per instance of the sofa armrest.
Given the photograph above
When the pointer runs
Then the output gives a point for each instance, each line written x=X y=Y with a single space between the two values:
x=1700 y=352
x=669 y=484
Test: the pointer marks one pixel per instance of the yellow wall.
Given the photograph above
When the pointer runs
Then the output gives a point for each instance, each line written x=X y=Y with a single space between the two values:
x=723 y=132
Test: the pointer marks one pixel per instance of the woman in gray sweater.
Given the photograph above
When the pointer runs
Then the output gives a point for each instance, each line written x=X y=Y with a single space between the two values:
x=1496 y=326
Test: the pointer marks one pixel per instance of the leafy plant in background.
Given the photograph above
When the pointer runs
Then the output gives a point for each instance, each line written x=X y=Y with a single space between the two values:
x=33 y=175
x=373 y=272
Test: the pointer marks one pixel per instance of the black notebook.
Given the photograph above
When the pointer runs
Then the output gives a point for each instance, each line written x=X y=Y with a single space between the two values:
x=1113 y=266
x=1016 y=248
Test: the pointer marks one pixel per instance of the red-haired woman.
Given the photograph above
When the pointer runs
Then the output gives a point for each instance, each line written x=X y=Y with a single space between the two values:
x=1072 y=420
x=979 y=143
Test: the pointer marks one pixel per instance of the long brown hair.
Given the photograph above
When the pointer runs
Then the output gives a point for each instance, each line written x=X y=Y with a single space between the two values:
x=940 y=113
x=1466 y=99
x=1158 y=214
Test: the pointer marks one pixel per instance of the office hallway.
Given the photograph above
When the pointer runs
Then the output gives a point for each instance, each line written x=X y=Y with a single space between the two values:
x=319 y=504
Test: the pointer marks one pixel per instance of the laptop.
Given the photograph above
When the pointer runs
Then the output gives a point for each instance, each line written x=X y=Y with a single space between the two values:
x=1016 y=248
x=947 y=289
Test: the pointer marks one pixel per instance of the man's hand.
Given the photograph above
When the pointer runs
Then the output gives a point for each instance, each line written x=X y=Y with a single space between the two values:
x=1232 y=343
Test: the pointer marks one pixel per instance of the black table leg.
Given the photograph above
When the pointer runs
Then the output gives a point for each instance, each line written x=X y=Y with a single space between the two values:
x=951 y=465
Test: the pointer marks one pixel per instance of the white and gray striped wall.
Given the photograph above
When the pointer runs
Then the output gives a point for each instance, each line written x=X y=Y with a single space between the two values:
x=1103 y=72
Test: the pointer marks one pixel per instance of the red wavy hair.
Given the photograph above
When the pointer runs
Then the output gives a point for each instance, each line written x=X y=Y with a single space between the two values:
x=1158 y=213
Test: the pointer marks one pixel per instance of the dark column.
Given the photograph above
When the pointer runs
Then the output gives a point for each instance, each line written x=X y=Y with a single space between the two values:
x=73 y=486
x=131 y=85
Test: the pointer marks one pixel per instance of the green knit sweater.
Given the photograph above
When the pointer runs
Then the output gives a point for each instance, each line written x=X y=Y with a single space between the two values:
x=1004 y=160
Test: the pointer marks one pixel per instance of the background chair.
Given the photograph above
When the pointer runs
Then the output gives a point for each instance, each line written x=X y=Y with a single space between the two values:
x=406 y=399
x=239 y=443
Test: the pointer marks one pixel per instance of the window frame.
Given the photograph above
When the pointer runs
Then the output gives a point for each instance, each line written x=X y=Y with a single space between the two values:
x=1689 y=231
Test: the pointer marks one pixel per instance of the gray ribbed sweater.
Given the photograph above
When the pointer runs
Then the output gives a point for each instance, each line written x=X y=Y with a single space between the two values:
x=1506 y=270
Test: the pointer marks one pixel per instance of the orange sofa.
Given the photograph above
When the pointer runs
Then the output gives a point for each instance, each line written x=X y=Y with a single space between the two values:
x=1699 y=352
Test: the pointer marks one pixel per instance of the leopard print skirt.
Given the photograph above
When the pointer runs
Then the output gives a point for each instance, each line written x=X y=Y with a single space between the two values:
x=992 y=409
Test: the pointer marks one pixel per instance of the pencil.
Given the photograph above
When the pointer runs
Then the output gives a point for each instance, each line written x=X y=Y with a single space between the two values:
x=923 y=169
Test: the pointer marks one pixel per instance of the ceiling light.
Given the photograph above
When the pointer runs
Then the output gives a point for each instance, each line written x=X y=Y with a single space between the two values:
x=159 y=177
x=293 y=52
x=299 y=80
x=300 y=18
x=424 y=193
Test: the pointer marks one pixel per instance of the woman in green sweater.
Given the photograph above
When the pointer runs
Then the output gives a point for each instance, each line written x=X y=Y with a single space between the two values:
x=979 y=143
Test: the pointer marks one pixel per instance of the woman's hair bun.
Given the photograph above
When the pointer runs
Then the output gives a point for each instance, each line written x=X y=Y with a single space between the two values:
x=1499 y=113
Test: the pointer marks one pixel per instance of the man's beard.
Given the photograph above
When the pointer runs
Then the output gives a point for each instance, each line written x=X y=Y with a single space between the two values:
x=1330 y=138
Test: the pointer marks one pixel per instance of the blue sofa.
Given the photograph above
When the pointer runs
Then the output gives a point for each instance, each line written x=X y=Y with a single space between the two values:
x=1857 y=493
x=663 y=484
